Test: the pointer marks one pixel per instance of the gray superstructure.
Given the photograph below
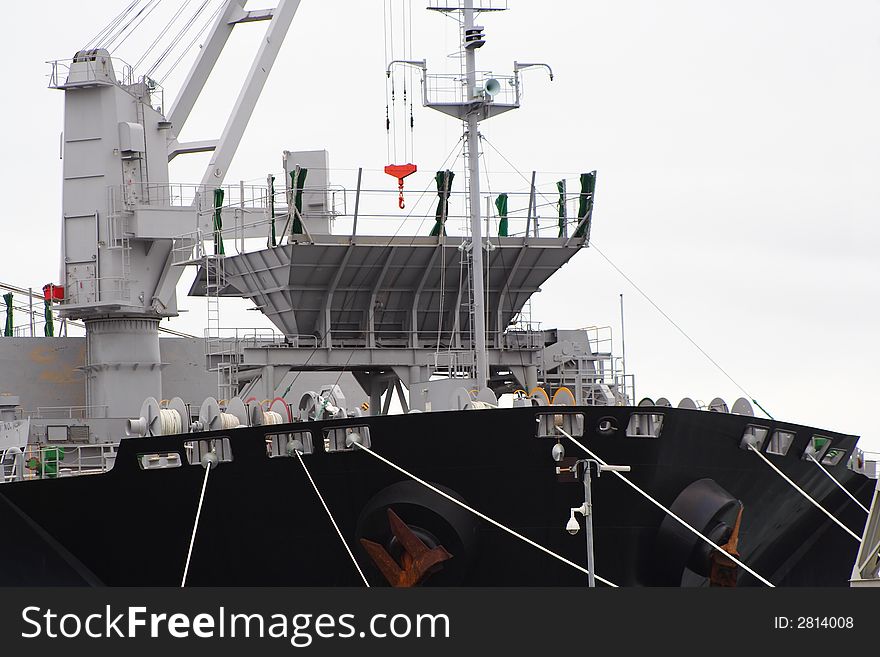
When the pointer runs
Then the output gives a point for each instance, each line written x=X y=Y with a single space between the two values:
x=436 y=321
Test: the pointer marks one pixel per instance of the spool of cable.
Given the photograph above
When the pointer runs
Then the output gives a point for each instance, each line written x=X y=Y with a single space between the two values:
x=540 y=395
x=177 y=404
x=157 y=421
x=169 y=422
x=229 y=421
x=271 y=417
x=149 y=423
x=259 y=417
x=212 y=419
x=238 y=408
x=477 y=405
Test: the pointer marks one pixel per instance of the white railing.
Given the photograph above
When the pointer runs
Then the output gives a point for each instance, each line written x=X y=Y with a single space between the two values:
x=452 y=88
x=90 y=70
x=455 y=362
x=479 y=5
x=98 y=69
x=246 y=208
x=54 y=461
x=600 y=338
x=230 y=340
x=71 y=412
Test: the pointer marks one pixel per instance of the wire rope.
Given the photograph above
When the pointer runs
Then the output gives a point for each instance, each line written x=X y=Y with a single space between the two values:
x=649 y=299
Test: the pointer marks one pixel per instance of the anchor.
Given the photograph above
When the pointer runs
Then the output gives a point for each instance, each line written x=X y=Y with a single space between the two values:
x=724 y=570
x=417 y=560
x=400 y=171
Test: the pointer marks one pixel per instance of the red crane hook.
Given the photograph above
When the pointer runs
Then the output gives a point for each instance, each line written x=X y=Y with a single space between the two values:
x=400 y=171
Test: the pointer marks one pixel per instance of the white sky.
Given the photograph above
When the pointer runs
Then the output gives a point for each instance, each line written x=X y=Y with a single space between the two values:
x=736 y=146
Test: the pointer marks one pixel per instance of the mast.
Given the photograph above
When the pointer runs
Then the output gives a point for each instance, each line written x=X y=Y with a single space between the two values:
x=481 y=96
x=473 y=144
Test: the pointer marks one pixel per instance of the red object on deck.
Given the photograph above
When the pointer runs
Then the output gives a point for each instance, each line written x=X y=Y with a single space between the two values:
x=400 y=171
x=52 y=292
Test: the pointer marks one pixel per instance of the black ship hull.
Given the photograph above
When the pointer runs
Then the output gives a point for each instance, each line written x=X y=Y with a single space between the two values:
x=262 y=524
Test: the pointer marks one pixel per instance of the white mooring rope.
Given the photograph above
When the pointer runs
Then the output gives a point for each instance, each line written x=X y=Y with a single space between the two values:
x=484 y=516
x=837 y=483
x=170 y=422
x=192 y=540
x=229 y=421
x=802 y=492
x=667 y=511
x=271 y=417
x=332 y=519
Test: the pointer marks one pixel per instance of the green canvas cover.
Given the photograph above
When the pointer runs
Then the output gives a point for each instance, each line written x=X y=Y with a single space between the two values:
x=501 y=206
x=585 y=206
x=218 y=223
x=297 y=182
x=444 y=187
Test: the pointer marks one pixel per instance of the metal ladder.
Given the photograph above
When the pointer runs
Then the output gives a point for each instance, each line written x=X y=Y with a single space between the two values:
x=221 y=354
x=118 y=240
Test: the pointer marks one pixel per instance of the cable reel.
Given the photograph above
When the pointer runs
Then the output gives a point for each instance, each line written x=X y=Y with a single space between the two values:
x=211 y=418
x=154 y=420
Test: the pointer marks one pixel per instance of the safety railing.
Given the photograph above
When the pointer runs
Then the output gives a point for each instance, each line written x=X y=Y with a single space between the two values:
x=457 y=362
x=99 y=289
x=252 y=198
x=445 y=340
x=188 y=195
x=479 y=5
x=100 y=68
x=54 y=461
x=230 y=343
x=600 y=338
x=369 y=210
x=522 y=338
x=71 y=412
x=452 y=89
x=232 y=340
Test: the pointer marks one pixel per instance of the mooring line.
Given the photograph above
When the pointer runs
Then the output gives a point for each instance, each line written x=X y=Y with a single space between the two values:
x=192 y=539
x=837 y=483
x=806 y=495
x=667 y=511
x=483 y=515
x=332 y=519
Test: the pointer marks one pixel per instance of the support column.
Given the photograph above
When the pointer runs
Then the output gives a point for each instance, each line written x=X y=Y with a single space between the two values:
x=123 y=364
x=377 y=387
x=268 y=381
